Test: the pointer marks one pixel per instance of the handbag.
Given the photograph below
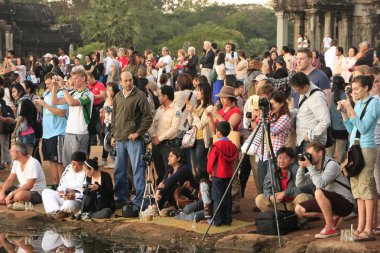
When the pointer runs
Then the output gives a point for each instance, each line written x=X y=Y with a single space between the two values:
x=188 y=139
x=266 y=222
x=355 y=160
x=180 y=199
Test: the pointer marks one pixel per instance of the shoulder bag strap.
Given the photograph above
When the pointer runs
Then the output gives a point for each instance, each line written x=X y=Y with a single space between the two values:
x=306 y=97
x=357 y=136
x=184 y=106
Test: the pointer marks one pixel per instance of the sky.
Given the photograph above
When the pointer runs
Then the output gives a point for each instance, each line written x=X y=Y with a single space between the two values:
x=242 y=1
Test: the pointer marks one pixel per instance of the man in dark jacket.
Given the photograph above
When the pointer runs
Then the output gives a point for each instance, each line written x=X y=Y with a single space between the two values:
x=207 y=61
x=131 y=119
x=367 y=56
x=287 y=190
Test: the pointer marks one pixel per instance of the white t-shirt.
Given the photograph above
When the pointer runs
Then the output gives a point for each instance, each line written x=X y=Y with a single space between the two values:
x=219 y=71
x=78 y=120
x=230 y=67
x=327 y=42
x=32 y=170
x=330 y=57
x=64 y=60
x=300 y=42
x=21 y=72
x=71 y=180
x=107 y=65
x=168 y=60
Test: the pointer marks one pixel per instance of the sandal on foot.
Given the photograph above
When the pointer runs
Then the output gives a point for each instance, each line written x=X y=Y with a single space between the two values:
x=376 y=231
x=364 y=237
x=357 y=233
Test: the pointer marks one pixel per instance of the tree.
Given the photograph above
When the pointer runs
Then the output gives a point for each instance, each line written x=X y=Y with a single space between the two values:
x=256 y=46
x=201 y=32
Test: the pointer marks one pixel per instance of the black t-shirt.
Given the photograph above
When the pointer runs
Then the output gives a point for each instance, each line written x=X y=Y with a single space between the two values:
x=29 y=111
x=98 y=71
x=88 y=66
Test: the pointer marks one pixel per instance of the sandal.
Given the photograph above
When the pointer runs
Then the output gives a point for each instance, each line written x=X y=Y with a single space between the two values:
x=357 y=233
x=364 y=237
x=376 y=231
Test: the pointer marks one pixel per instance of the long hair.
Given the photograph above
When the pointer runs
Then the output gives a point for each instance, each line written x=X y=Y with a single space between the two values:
x=279 y=97
x=205 y=88
x=337 y=86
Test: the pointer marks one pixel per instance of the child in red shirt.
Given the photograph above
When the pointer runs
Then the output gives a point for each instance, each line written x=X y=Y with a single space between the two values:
x=220 y=167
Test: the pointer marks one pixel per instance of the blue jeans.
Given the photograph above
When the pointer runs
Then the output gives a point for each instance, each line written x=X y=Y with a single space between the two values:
x=199 y=158
x=132 y=150
x=263 y=170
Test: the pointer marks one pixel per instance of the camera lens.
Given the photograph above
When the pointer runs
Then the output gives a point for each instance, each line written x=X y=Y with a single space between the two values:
x=248 y=115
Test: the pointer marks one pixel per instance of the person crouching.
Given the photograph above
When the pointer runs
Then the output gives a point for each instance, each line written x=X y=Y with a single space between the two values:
x=68 y=197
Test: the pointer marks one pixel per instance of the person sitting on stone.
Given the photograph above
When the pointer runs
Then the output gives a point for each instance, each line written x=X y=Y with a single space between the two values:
x=98 y=201
x=28 y=171
x=67 y=199
x=333 y=196
x=175 y=178
x=287 y=190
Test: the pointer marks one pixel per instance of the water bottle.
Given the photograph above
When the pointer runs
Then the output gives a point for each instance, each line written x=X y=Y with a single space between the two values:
x=194 y=225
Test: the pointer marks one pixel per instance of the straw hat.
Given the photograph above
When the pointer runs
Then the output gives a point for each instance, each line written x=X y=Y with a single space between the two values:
x=226 y=92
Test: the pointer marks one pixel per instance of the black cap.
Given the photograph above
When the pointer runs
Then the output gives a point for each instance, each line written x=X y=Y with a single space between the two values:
x=78 y=156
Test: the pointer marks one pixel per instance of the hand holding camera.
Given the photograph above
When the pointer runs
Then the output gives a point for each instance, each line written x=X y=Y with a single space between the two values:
x=305 y=160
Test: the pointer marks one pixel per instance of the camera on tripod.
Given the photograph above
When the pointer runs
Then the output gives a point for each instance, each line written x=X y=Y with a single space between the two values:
x=264 y=104
x=303 y=156
x=147 y=157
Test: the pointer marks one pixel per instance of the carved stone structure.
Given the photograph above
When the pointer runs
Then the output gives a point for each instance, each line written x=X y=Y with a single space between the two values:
x=28 y=28
x=348 y=21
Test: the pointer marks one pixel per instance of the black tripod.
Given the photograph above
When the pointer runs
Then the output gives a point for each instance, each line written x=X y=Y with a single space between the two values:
x=272 y=163
x=149 y=189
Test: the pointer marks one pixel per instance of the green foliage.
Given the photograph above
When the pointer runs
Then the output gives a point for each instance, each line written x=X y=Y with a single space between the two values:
x=91 y=47
x=201 y=32
x=256 y=46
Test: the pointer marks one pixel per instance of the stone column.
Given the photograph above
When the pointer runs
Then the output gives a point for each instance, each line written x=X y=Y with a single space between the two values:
x=297 y=28
x=8 y=40
x=343 y=32
x=327 y=23
x=282 y=29
x=313 y=21
x=1 y=42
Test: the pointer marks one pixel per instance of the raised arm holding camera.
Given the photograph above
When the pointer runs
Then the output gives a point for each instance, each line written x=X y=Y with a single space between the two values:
x=333 y=197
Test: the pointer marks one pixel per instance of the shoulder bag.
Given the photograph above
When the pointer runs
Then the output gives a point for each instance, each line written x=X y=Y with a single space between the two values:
x=355 y=160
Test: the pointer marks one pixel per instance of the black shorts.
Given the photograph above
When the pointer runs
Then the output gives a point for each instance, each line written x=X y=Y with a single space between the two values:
x=35 y=198
x=52 y=149
x=340 y=206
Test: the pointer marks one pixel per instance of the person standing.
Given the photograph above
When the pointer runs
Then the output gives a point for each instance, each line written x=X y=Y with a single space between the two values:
x=164 y=130
x=53 y=126
x=113 y=66
x=80 y=103
x=362 y=128
x=348 y=64
x=230 y=60
x=131 y=119
x=337 y=70
x=64 y=61
x=207 y=61
x=164 y=64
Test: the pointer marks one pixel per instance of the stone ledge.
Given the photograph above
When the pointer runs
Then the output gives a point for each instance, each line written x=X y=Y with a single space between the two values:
x=326 y=246
x=247 y=242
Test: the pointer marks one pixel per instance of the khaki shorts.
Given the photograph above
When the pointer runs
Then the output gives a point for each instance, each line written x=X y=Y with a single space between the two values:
x=363 y=186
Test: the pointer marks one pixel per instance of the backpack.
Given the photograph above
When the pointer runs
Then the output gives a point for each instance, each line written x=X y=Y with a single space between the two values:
x=94 y=125
x=7 y=111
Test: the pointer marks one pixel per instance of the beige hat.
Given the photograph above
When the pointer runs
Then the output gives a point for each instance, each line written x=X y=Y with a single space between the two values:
x=226 y=92
x=261 y=77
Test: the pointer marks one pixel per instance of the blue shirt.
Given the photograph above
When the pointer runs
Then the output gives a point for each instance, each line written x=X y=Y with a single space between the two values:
x=367 y=125
x=335 y=115
x=53 y=125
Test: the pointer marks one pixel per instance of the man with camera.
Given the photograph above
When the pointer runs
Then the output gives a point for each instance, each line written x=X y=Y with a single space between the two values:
x=68 y=197
x=333 y=197
x=53 y=126
x=313 y=115
x=287 y=193
x=80 y=104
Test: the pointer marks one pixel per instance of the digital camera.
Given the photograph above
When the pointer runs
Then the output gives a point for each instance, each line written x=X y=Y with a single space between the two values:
x=304 y=156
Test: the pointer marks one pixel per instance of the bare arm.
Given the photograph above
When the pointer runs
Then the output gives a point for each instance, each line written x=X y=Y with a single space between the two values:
x=54 y=99
x=56 y=111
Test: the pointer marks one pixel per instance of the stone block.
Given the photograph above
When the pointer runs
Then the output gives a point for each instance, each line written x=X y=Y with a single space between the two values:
x=247 y=242
x=327 y=246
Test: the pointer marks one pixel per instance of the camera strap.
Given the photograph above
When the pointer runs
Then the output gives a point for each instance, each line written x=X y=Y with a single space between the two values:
x=184 y=106
x=306 y=97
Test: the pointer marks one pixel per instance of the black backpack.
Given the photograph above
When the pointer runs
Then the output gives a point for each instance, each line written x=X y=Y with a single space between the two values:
x=94 y=126
x=6 y=111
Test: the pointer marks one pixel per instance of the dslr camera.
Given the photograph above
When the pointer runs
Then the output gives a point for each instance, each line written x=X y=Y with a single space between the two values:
x=264 y=104
x=304 y=156
x=147 y=157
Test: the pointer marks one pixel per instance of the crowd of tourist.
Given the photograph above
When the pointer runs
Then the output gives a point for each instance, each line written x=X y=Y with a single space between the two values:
x=319 y=104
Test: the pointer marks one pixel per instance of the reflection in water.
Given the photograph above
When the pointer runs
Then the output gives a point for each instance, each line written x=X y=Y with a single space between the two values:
x=52 y=242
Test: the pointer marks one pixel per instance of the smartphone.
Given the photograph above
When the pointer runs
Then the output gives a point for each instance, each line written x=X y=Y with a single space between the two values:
x=187 y=100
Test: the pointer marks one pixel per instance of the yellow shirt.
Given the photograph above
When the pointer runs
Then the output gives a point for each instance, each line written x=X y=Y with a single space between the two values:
x=166 y=122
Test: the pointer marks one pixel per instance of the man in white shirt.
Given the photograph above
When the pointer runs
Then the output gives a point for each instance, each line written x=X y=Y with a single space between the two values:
x=337 y=70
x=300 y=41
x=330 y=55
x=64 y=61
x=230 y=60
x=164 y=64
x=68 y=197
x=28 y=171
x=326 y=42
